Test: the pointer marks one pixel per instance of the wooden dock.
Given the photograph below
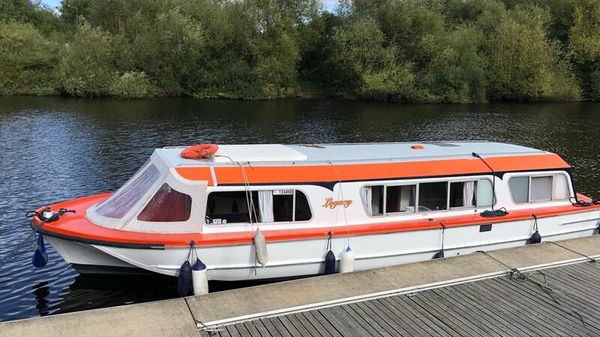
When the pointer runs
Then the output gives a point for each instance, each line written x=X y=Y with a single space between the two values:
x=549 y=289
x=559 y=301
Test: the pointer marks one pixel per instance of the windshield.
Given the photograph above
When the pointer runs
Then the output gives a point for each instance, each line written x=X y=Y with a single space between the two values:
x=121 y=202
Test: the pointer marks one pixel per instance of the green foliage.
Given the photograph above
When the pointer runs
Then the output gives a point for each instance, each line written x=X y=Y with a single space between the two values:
x=27 y=60
x=27 y=11
x=457 y=51
x=131 y=85
x=585 y=33
x=523 y=65
x=371 y=68
x=455 y=70
x=87 y=64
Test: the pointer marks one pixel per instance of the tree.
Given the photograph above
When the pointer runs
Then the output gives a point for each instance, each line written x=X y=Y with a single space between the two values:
x=27 y=60
x=585 y=42
x=455 y=70
x=370 y=67
x=87 y=63
x=523 y=65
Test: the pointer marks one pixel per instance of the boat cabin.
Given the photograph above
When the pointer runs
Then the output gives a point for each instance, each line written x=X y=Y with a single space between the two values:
x=277 y=186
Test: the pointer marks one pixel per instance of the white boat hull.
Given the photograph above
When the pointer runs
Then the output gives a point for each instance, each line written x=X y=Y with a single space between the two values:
x=306 y=257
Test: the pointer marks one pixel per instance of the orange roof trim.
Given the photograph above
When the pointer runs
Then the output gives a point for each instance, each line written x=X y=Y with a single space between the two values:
x=353 y=172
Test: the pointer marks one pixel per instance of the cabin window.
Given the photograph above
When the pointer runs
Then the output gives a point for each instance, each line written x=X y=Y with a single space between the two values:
x=478 y=193
x=167 y=205
x=381 y=200
x=121 y=202
x=485 y=193
x=519 y=188
x=283 y=205
x=433 y=196
x=375 y=195
x=462 y=194
x=302 y=212
x=270 y=206
x=398 y=199
x=539 y=188
x=231 y=207
x=560 y=187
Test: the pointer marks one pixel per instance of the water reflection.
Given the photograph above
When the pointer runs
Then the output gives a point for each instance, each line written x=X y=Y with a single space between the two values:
x=53 y=149
x=41 y=291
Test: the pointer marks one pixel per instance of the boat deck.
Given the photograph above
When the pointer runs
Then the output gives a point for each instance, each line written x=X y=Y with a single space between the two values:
x=499 y=306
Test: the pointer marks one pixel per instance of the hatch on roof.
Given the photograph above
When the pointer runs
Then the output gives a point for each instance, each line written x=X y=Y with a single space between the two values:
x=257 y=152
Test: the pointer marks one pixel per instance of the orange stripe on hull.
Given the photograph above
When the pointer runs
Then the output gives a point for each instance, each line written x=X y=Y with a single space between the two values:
x=327 y=173
x=77 y=226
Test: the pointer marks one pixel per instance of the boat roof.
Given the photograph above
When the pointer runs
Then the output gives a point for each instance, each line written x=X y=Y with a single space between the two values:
x=278 y=154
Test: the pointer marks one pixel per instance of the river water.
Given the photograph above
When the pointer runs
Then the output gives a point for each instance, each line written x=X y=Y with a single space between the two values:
x=53 y=149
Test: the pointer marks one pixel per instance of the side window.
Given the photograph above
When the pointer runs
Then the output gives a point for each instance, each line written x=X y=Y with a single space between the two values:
x=539 y=188
x=167 y=205
x=462 y=194
x=519 y=188
x=375 y=199
x=230 y=207
x=477 y=193
x=561 y=189
x=283 y=205
x=302 y=208
x=269 y=206
x=398 y=199
x=433 y=196
x=485 y=193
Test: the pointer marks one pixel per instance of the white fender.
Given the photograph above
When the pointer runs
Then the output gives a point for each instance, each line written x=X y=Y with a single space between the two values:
x=200 y=281
x=199 y=278
x=260 y=244
x=347 y=261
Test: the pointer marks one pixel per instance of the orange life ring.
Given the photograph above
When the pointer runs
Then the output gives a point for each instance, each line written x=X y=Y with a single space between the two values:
x=199 y=151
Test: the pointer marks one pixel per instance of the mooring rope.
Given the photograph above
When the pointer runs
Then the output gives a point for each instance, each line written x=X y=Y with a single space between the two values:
x=343 y=206
x=18 y=249
x=516 y=275
x=210 y=330
x=592 y=260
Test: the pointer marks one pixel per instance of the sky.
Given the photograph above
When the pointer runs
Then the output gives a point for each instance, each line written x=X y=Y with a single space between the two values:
x=327 y=4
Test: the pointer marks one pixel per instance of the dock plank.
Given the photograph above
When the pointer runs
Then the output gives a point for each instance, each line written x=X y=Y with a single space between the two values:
x=326 y=330
x=343 y=321
x=442 y=316
x=481 y=313
x=541 y=301
x=421 y=321
x=272 y=328
x=385 y=316
x=526 y=314
x=402 y=320
x=464 y=320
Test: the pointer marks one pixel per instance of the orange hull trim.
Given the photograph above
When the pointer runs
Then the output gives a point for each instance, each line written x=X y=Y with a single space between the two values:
x=77 y=227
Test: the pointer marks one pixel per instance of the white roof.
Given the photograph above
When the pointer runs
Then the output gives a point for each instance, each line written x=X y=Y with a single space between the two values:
x=361 y=152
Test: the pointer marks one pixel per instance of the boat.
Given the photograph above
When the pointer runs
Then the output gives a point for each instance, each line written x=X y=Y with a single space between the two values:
x=387 y=203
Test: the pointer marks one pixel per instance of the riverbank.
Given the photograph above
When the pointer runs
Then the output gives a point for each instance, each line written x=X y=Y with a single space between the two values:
x=394 y=51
